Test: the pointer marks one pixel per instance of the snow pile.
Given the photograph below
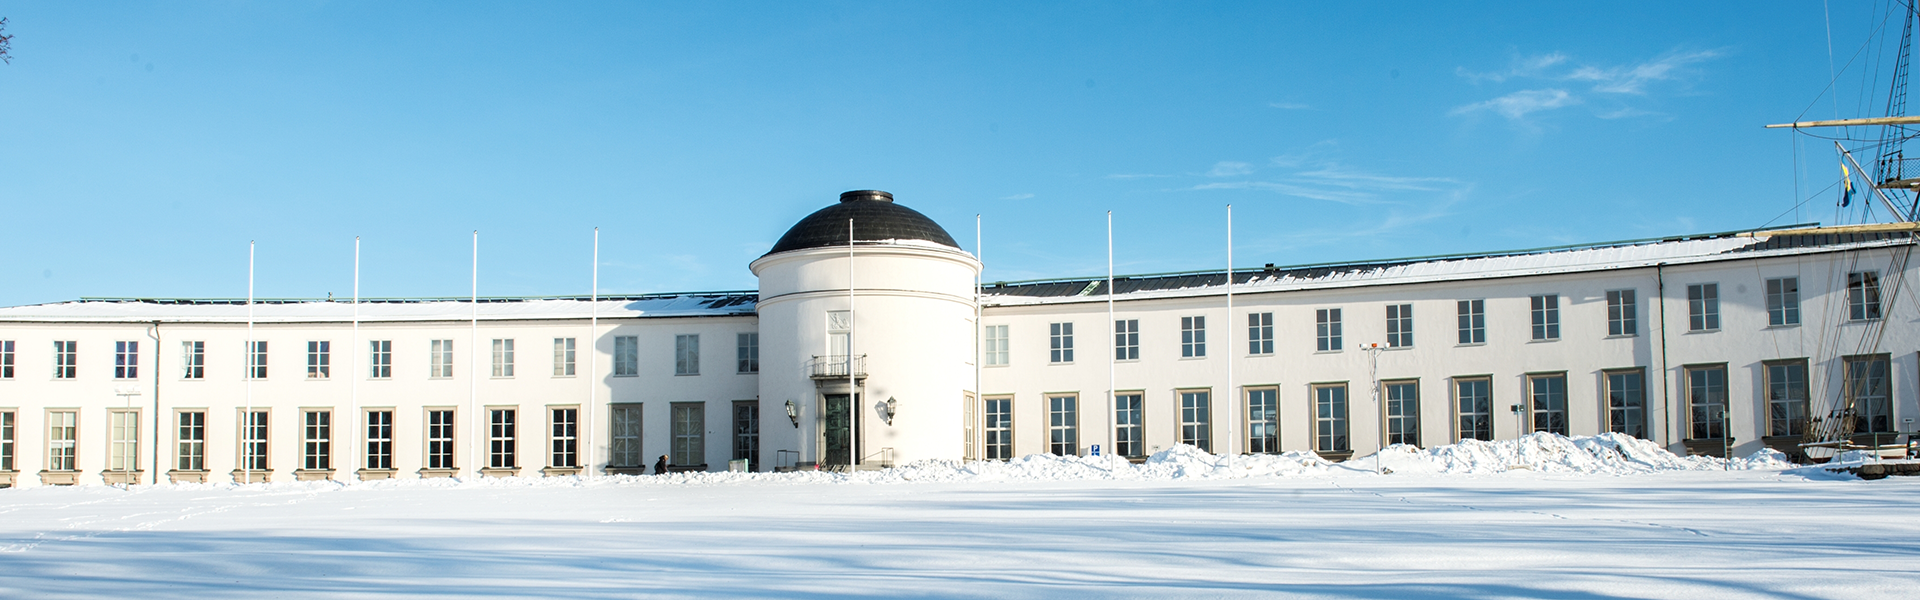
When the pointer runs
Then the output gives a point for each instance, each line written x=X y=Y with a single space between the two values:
x=1604 y=454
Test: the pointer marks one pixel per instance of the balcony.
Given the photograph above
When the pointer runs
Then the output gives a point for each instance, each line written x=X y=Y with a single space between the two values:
x=835 y=366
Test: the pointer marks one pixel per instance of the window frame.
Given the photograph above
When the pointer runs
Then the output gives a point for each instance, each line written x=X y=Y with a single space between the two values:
x=746 y=352
x=1784 y=425
x=6 y=359
x=746 y=432
x=377 y=440
x=1409 y=420
x=501 y=358
x=1783 y=304
x=252 y=421
x=1137 y=408
x=563 y=436
x=1327 y=334
x=1620 y=416
x=1126 y=340
x=1695 y=424
x=319 y=359
x=1460 y=431
x=1262 y=434
x=565 y=356
x=1193 y=337
x=1471 y=321
x=686 y=354
x=1400 y=325
x=616 y=437
x=1060 y=343
x=1260 y=334
x=9 y=436
x=1703 y=307
x=68 y=440
x=1864 y=301
x=1852 y=394
x=1623 y=313
x=1063 y=424
x=123 y=440
x=1535 y=410
x=379 y=359
x=998 y=438
x=316 y=439
x=447 y=457
x=1332 y=433
x=193 y=359
x=1189 y=430
x=995 y=349
x=257 y=359
x=440 y=359
x=688 y=444
x=503 y=437
x=66 y=359
x=126 y=360
x=190 y=440
x=1543 y=312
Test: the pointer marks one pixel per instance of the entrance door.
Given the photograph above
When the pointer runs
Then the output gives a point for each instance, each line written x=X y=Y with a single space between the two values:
x=834 y=421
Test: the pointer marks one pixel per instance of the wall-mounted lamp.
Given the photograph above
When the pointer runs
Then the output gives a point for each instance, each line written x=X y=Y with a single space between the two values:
x=793 y=413
x=892 y=407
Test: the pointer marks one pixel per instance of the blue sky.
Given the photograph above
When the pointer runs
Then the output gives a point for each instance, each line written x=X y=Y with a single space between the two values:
x=143 y=144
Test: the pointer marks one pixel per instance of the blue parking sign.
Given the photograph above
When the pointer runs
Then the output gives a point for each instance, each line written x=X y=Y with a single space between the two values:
x=1096 y=450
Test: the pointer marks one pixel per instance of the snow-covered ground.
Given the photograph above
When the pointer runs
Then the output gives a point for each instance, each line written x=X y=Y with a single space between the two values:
x=1584 y=518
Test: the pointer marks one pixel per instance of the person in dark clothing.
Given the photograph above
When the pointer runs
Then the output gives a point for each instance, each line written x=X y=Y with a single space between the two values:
x=660 y=466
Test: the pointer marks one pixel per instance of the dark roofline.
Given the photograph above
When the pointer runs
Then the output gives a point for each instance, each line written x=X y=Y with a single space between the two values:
x=1399 y=261
x=425 y=299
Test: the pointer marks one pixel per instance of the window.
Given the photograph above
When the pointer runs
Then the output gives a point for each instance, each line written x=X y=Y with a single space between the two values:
x=626 y=356
x=1703 y=307
x=1623 y=315
x=1126 y=339
x=123 y=440
x=1707 y=402
x=746 y=431
x=253 y=440
x=193 y=360
x=439 y=439
x=1473 y=321
x=6 y=359
x=563 y=357
x=626 y=437
x=999 y=428
x=380 y=359
x=1063 y=425
x=1868 y=393
x=1399 y=325
x=1549 y=402
x=62 y=441
x=1403 y=412
x=126 y=360
x=1627 y=402
x=440 y=359
x=996 y=347
x=316 y=440
x=257 y=359
x=565 y=438
x=747 y=352
x=1193 y=337
x=1326 y=329
x=1473 y=402
x=190 y=440
x=689 y=434
x=319 y=360
x=1263 y=426
x=1863 y=295
x=6 y=440
x=1787 y=398
x=66 y=359
x=1546 y=317
x=379 y=440
x=1330 y=418
x=502 y=432
x=1127 y=429
x=1060 y=342
x=1196 y=419
x=686 y=354
x=503 y=358
x=1783 y=301
x=1260 y=333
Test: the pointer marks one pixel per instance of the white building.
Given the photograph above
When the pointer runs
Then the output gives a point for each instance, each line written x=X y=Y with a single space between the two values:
x=1699 y=343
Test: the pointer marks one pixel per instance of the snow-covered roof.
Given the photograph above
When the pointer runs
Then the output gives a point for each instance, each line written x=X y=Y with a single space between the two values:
x=120 y=310
x=1547 y=261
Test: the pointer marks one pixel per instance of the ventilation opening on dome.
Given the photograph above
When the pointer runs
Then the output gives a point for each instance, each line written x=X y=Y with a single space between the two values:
x=866 y=195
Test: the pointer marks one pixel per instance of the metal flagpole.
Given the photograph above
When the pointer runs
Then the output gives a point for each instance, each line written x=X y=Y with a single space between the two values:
x=1233 y=405
x=853 y=386
x=473 y=357
x=979 y=395
x=353 y=397
x=246 y=416
x=593 y=387
x=1113 y=352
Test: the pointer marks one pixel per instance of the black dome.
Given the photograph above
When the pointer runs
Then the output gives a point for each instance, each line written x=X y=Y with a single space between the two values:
x=875 y=218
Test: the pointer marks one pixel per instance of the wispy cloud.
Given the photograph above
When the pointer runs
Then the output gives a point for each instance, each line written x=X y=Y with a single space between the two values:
x=1523 y=66
x=1519 y=104
x=1136 y=176
x=1228 y=168
x=1634 y=79
x=1329 y=181
x=1289 y=105
x=1607 y=86
x=1017 y=197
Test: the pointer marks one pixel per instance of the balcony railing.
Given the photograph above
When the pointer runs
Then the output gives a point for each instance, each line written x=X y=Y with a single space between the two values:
x=835 y=366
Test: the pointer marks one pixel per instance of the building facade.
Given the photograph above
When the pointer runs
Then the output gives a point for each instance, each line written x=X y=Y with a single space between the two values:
x=870 y=342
